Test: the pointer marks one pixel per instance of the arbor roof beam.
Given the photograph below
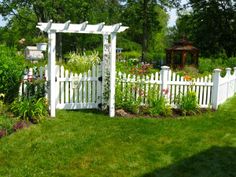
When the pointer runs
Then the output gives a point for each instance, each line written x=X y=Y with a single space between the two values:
x=84 y=27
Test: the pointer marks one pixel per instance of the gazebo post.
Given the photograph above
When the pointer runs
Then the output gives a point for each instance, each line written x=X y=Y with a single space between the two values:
x=112 y=75
x=51 y=67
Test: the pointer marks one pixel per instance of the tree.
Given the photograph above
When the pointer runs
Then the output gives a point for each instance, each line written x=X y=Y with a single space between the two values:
x=24 y=24
x=142 y=18
x=211 y=25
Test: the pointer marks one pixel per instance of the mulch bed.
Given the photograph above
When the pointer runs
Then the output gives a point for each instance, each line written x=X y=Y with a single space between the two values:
x=176 y=113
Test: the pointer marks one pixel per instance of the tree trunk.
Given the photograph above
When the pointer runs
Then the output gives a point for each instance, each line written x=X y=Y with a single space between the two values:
x=145 y=34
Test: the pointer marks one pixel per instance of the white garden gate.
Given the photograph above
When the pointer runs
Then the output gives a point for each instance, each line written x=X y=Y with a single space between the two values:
x=79 y=91
x=109 y=59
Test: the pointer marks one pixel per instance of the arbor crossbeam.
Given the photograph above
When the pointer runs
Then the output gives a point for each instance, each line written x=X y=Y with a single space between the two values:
x=84 y=27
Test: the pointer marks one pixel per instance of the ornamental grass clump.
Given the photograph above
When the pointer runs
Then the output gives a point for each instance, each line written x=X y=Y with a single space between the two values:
x=81 y=63
x=188 y=102
x=32 y=105
x=158 y=105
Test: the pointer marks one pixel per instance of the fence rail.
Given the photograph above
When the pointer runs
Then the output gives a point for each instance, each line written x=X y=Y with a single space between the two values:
x=77 y=91
x=211 y=90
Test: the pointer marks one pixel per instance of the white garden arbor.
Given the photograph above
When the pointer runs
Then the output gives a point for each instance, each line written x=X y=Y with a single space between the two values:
x=109 y=53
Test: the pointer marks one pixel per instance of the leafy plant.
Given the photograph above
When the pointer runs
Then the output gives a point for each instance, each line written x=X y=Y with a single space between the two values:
x=126 y=100
x=35 y=88
x=39 y=39
x=158 y=104
x=32 y=109
x=11 y=67
x=81 y=63
x=188 y=103
x=6 y=124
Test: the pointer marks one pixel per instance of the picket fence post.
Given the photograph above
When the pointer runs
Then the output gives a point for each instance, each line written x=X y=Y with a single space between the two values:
x=234 y=79
x=228 y=70
x=215 y=88
x=164 y=79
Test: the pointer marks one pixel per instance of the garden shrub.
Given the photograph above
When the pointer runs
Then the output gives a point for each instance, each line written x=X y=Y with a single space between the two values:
x=126 y=100
x=30 y=109
x=157 y=103
x=6 y=124
x=130 y=55
x=35 y=88
x=207 y=65
x=11 y=67
x=32 y=105
x=188 y=103
x=80 y=63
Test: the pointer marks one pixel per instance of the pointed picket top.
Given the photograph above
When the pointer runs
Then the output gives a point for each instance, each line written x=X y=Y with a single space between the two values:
x=84 y=27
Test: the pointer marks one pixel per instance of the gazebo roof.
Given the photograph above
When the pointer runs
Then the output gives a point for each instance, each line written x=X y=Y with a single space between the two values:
x=183 y=45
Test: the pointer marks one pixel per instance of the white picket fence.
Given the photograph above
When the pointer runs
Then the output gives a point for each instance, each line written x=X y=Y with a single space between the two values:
x=84 y=91
x=74 y=91
x=210 y=90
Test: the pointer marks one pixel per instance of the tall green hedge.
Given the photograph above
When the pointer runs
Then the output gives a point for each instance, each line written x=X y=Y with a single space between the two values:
x=11 y=69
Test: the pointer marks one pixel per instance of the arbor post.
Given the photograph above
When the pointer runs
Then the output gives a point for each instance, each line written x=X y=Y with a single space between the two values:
x=52 y=70
x=112 y=75
x=105 y=71
x=215 y=88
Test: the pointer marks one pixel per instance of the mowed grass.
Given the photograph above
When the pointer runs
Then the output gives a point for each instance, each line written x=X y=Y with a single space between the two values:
x=92 y=144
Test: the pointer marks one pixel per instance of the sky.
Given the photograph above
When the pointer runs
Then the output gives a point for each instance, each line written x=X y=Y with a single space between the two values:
x=2 y=23
x=173 y=17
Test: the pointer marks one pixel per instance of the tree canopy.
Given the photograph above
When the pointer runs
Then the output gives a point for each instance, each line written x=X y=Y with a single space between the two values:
x=146 y=19
x=211 y=25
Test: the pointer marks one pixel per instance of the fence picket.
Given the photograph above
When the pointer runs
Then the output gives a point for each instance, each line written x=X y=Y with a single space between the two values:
x=62 y=89
x=86 y=93
x=201 y=91
x=67 y=86
x=71 y=88
x=85 y=88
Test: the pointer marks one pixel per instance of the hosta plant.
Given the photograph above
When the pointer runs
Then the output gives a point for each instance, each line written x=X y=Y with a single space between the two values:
x=32 y=109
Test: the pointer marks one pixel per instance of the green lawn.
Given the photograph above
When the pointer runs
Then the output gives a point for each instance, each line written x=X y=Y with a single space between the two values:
x=91 y=144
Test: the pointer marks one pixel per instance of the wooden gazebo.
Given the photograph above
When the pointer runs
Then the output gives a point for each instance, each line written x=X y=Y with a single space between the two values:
x=182 y=53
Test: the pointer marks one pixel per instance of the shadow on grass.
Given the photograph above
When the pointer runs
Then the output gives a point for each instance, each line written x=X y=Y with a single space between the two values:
x=214 y=162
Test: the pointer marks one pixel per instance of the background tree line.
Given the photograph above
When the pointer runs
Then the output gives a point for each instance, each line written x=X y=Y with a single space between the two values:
x=209 y=24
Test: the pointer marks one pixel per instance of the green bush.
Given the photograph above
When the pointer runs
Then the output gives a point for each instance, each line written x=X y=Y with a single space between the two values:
x=130 y=55
x=81 y=63
x=207 y=65
x=30 y=109
x=188 y=103
x=157 y=103
x=125 y=100
x=7 y=123
x=35 y=89
x=11 y=67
